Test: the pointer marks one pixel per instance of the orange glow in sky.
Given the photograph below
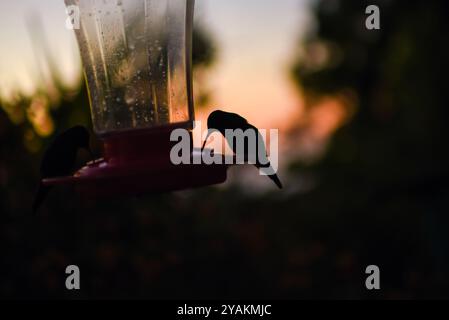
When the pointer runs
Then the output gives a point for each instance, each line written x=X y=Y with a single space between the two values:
x=257 y=41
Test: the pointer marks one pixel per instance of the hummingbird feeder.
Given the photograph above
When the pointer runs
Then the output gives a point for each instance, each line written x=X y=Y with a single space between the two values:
x=137 y=58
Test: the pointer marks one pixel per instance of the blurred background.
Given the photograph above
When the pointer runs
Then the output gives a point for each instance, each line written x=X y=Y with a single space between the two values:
x=363 y=136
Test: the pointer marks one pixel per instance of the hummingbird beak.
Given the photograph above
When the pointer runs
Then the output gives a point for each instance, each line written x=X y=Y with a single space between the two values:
x=209 y=132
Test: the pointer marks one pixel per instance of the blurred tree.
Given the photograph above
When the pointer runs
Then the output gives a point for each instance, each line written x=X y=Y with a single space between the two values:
x=204 y=51
x=387 y=168
x=398 y=75
x=204 y=55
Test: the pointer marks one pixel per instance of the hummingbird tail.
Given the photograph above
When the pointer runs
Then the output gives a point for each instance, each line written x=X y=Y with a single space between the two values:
x=275 y=179
x=40 y=196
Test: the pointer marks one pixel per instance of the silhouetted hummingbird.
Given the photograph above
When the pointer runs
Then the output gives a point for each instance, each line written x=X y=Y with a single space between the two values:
x=60 y=157
x=220 y=121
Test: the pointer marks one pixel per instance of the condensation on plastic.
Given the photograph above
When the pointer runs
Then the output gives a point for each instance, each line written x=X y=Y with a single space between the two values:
x=137 y=62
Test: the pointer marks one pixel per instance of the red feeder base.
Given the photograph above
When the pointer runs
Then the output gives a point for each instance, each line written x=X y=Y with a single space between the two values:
x=138 y=162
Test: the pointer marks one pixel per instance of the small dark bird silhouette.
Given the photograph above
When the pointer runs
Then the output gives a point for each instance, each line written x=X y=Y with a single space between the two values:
x=59 y=159
x=220 y=121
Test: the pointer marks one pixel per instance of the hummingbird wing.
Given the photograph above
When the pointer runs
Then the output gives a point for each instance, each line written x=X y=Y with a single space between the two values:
x=262 y=157
x=58 y=160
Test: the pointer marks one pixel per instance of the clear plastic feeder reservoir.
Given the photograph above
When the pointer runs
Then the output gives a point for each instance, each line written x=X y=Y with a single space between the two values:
x=137 y=62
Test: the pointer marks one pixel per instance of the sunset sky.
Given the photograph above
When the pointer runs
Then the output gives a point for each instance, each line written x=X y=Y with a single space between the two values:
x=256 y=39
